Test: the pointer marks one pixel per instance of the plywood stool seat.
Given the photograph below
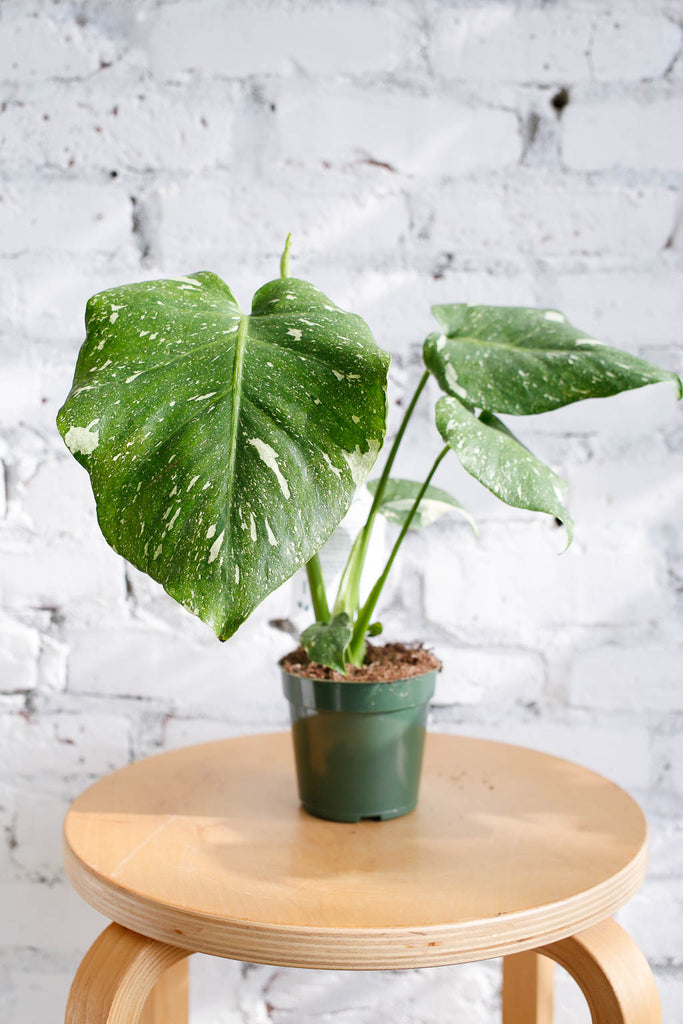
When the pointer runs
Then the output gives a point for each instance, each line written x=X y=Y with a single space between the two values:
x=205 y=849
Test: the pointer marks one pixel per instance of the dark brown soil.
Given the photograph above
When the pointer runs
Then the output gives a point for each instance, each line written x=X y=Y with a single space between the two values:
x=382 y=664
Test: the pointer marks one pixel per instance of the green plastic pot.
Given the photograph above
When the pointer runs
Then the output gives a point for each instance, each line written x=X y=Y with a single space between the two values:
x=358 y=746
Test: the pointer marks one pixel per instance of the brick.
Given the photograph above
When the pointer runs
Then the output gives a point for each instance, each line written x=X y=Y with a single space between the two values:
x=488 y=677
x=39 y=47
x=371 y=226
x=19 y=392
x=511 y=582
x=666 y=847
x=19 y=648
x=569 y=1003
x=211 y=38
x=237 y=681
x=183 y=732
x=620 y=752
x=51 y=918
x=629 y=309
x=52 y=664
x=120 y=129
x=654 y=917
x=9 y=305
x=34 y=994
x=504 y=43
x=57 y=322
x=58 y=501
x=216 y=988
x=622 y=433
x=396 y=303
x=61 y=574
x=468 y=992
x=624 y=133
x=8 y=796
x=37 y=833
x=628 y=677
x=628 y=45
x=669 y=986
x=547 y=218
x=429 y=136
x=55 y=747
x=63 y=217
x=670 y=752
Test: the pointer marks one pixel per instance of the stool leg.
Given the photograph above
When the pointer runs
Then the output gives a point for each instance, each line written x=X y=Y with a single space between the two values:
x=168 y=1002
x=527 y=989
x=116 y=976
x=612 y=973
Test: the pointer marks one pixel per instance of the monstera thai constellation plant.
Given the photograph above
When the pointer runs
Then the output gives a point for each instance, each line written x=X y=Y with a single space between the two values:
x=225 y=447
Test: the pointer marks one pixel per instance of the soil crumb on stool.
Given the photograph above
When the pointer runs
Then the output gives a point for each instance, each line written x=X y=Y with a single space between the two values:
x=383 y=664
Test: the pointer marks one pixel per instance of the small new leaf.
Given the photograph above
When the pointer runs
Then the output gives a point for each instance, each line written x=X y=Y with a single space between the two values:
x=399 y=497
x=326 y=642
x=511 y=359
x=494 y=457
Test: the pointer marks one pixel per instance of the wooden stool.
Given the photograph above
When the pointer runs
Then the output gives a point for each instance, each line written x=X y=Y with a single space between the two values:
x=510 y=853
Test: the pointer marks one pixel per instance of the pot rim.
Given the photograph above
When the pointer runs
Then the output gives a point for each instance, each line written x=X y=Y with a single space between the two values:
x=360 y=697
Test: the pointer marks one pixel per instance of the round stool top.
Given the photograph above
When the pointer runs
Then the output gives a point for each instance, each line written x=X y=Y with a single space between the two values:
x=207 y=848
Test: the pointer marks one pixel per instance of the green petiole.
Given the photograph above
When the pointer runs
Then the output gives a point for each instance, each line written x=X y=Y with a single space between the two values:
x=349 y=588
x=356 y=648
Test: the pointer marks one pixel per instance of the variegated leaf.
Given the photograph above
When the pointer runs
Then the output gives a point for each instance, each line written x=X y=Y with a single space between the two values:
x=511 y=359
x=399 y=497
x=494 y=457
x=326 y=642
x=223 y=448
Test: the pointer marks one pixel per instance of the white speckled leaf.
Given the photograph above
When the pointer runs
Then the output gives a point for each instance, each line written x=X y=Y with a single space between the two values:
x=326 y=642
x=223 y=448
x=494 y=457
x=399 y=497
x=515 y=360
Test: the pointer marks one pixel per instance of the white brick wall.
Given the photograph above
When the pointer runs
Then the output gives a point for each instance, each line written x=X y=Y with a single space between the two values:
x=414 y=151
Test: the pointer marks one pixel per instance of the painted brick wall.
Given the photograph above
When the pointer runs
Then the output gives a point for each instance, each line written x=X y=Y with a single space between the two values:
x=526 y=153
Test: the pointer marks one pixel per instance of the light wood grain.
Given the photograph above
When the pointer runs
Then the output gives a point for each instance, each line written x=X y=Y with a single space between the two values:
x=527 y=989
x=168 y=1002
x=612 y=973
x=206 y=848
x=116 y=976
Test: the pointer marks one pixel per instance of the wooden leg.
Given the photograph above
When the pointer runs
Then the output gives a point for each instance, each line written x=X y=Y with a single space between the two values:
x=168 y=1002
x=116 y=976
x=527 y=989
x=612 y=973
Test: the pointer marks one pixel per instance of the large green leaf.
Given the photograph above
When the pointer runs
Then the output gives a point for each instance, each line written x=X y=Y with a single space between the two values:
x=494 y=456
x=223 y=448
x=515 y=360
x=399 y=497
x=325 y=642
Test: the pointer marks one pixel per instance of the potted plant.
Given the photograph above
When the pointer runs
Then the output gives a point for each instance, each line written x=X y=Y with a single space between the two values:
x=224 y=448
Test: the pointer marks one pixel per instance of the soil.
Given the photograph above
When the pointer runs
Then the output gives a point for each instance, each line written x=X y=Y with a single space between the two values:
x=383 y=664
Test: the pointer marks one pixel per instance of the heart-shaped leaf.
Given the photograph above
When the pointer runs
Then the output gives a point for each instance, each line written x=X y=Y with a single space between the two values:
x=494 y=457
x=399 y=497
x=515 y=360
x=326 y=642
x=223 y=448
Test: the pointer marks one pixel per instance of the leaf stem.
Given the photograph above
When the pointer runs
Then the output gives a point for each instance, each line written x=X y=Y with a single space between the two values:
x=349 y=587
x=365 y=614
x=284 y=259
x=317 y=584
